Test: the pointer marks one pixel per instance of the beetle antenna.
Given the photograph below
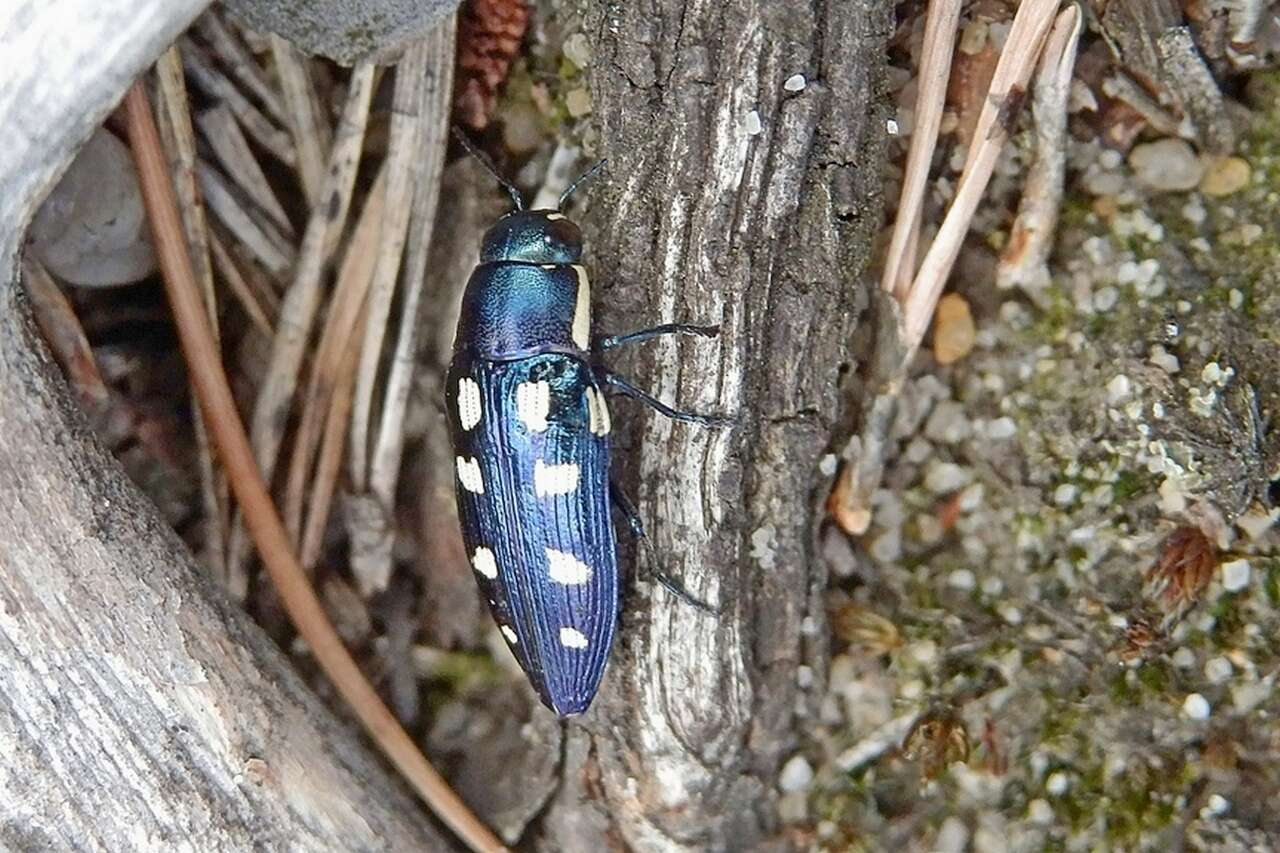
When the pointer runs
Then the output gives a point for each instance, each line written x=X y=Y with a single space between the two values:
x=488 y=165
x=590 y=173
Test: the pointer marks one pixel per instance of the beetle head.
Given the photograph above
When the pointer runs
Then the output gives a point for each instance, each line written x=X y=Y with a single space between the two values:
x=533 y=236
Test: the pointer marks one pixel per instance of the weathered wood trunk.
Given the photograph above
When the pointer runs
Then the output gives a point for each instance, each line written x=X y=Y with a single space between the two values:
x=138 y=710
x=767 y=233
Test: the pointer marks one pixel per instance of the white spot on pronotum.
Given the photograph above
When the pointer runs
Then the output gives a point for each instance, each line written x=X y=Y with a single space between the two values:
x=533 y=404
x=795 y=83
x=509 y=633
x=468 y=403
x=572 y=638
x=485 y=563
x=582 y=309
x=469 y=475
x=554 y=217
x=597 y=412
x=752 y=123
x=554 y=479
x=567 y=569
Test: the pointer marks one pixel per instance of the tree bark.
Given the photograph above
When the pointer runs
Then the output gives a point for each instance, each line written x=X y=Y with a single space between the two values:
x=767 y=234
x=138 y=709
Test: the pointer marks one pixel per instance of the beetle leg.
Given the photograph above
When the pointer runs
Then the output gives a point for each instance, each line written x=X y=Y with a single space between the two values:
x=632 y=517
x=611 y=341
x=627 y=508
x=677 y=589
x=625 y=388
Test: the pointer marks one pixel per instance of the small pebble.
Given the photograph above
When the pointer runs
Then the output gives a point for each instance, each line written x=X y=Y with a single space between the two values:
x=827 y=465
x=1105 y=299
x=752 y=123
x=1196 y=707
x=961 y=579
x=891 y=127
x=795 y=83
x=945 y=477
x=1218 y=670
x=1002 y=428
x=1066 y=494
x=1039 y=811
x=577 y=49
x=953 y=329
x=1166 y=165
x=1225 y=176
x=578 y=103
x=797 y=774
x=1235 y=299
x=1235 y=575
x=1057 y=784
x=1119 y=389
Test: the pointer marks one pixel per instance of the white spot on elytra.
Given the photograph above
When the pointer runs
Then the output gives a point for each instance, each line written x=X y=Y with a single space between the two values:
x=567 y=569
x=533 y=404
x=554 y=479
x=468 y=403
x=485 y=563
x=469 y=475
x=582 y=309
x=572 y=638
x=509 y=633
x=597 y=412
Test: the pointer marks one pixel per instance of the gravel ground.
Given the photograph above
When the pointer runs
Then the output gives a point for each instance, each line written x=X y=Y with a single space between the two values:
x=1003 y=678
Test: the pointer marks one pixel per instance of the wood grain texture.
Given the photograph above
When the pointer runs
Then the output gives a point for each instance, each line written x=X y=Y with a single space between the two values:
x=768 y=235
x=138 y=710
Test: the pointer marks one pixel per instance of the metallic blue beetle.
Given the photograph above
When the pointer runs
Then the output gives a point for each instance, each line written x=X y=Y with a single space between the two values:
x=530 y=429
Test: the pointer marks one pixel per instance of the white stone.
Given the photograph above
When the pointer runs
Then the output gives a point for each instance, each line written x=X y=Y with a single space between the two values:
x=795 y=83
x=1218 y=670
x=1119 y=389
x=1057 y=784
x=1002 y=428
x=752 y=123
x=1039 y=811
x=1196 y=707
x=945 y=477
x=1218 y=804
x=1235 y=575
x=797 y=774
x=961 y=579
x=1066 y=494
x=1166 y=165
